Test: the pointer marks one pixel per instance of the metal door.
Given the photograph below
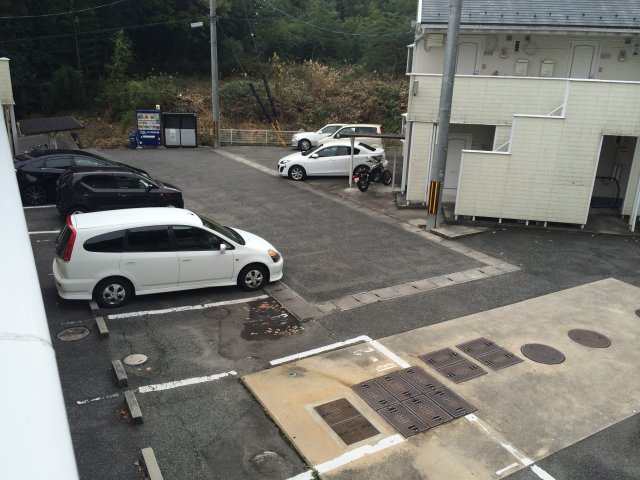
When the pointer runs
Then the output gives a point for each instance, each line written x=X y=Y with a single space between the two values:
x=582 y=61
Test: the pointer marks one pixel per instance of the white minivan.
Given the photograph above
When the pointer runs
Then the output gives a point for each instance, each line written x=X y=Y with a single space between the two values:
x=112 y=255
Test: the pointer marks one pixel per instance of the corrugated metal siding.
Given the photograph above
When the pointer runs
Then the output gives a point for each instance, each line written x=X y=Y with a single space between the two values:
x=624 y=14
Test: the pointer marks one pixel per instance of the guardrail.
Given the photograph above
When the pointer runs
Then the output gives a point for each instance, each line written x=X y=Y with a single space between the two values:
x=234 y=136
x=35 y=441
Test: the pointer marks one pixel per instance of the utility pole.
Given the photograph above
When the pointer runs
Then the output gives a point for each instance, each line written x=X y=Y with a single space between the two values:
x=215 y=100
x=436 y=185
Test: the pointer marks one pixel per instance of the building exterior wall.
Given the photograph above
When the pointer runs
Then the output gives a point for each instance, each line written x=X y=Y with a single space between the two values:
x=497 y=54
x=549 y=172
x=634 y=178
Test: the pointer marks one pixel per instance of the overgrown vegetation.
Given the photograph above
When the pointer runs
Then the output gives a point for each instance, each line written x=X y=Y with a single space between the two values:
x=326 y=60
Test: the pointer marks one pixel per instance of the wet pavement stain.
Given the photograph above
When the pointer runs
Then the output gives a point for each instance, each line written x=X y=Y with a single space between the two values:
x=268 y=320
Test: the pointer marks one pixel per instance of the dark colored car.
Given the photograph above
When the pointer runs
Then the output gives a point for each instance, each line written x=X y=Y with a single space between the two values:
x=88 y=189
x=37 y=172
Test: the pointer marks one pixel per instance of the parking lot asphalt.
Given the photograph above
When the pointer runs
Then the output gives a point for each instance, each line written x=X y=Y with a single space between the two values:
x=333 y=245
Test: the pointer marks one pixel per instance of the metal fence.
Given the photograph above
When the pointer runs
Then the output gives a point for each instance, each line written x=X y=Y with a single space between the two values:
x=234 y=136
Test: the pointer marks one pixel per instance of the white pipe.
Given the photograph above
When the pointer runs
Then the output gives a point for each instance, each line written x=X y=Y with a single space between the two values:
x=35 y=441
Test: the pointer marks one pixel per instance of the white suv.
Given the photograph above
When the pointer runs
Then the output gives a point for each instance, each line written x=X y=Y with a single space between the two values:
x=360 y=129
x=111 y=256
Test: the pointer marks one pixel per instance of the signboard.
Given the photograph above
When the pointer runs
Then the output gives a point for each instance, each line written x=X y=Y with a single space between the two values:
x=149 y=128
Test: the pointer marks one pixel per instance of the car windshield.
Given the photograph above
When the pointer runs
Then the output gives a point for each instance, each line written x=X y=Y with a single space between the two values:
x=226 y=231
x=329 y=129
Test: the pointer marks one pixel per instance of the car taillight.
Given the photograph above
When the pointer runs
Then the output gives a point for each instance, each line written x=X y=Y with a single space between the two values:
x=66 y=255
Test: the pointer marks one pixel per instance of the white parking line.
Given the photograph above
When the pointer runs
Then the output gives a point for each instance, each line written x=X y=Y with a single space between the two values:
x=165 y=386
x=541 y=473
x=44 y=232
x=185 y=308
x=315 y=351
x=351 y=456
x=508 y=467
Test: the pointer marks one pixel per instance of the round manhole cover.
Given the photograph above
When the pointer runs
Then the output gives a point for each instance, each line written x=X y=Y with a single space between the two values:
x=589 y=338
x=135 y=359
x=73 y=334
x=216 y=313
x=638 y=312
x=542 y=353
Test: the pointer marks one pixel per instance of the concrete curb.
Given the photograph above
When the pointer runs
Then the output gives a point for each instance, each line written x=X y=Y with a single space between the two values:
x=150 y=464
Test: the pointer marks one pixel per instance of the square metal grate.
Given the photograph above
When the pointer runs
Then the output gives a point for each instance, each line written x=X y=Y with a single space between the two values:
x=348 y=423
x=405 y=422
x=397 y=386
x=421 y=379
x=441 y=358
x=427 y=411
x=374 y=394
x=462 y=371
x=499 y=359
x=451 y=402
x=477 y=347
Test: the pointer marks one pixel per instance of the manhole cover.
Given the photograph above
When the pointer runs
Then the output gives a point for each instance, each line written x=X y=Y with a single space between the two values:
x=477 y=347
x=421 y=379
x=440 y=358
x=638 y=312
x=216 y=313
x=462 y=371
x=337 y=411
x=542 y=353
x=372 y=393
x=427 y=411
x=451 y=402
x=73 y=334
x=499 y=359
x=589 y=338
x=397 y=386
x=405 y=422
x=135 y=359
x=355 y=430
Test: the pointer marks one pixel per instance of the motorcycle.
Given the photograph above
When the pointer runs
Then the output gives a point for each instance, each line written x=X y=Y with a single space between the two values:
x=363 y=177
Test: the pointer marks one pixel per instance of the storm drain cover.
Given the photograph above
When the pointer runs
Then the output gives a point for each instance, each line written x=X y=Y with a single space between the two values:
x=451 y=402
x=421 y=379
x=462 y=371
x=73 y=334
x=397 y=386
x=337 y=411
x=542 y=353
x=477 y=347
x=499 y=359
x=405 y=422
x=348 y=423
x=440 y=358
x=589 y=338
x=374 y=394
x=135 y=359
x=427 y=411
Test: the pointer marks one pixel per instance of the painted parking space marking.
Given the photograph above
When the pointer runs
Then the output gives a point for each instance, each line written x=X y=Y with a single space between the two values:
x=165 y=386
x=541 y=473
x=351 y=456
x=38 y=206
x=507 y=468
x=185 y=308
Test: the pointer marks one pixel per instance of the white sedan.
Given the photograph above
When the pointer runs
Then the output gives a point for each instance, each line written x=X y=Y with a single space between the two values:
x=331 y=159
x=305 y=140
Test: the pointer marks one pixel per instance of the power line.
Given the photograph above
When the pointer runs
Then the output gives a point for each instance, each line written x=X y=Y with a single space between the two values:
x=19 y=17
x=338 y=32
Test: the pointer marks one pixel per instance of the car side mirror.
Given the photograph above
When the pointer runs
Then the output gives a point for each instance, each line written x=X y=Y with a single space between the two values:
x=315 y=155
x=223 y=247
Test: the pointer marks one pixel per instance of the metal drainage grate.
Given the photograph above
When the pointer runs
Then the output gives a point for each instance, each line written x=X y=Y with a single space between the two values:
x=440 y=358
x=462 y=371
x=499 y=359
x=421 y=379
x=451 y=402
x=477 y=347
x=374 y=394
x=336 y=411
x=542 y=353
x=355 y=430
x=397 y=386
x=589 y=338
x=427 y=411
x=405 y=422
x=344 y=419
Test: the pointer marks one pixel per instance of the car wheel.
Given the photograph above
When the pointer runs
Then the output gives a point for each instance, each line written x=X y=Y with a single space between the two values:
x=386 y=177
x=34 y=195
x=297 y=173
x=361 y=169
x=73 y=210
x=113 y=292
x=304 y=144
x=253 y=277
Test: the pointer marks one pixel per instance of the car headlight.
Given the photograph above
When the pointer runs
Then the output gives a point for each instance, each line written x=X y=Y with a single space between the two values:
x=275 y=256
x=295 y=137
x=283 y=162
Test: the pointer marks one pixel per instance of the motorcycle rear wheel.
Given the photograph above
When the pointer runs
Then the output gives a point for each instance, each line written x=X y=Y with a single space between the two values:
x=386 y=177
x=363 y=186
